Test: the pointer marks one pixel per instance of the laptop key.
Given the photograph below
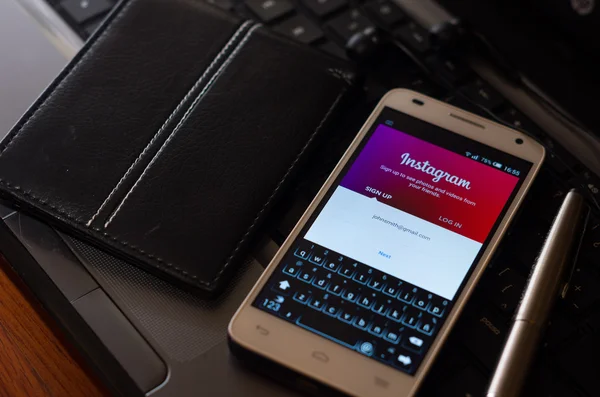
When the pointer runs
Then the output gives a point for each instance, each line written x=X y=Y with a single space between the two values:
x=386 y=12
x=483 y=94
x=269 y=10
x=485 y=335
x=322 y=8
x=349 y=23
x=416 y=37
x=83 y=10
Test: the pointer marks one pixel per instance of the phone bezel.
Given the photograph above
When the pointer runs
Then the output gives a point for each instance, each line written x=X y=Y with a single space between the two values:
x=347 y=370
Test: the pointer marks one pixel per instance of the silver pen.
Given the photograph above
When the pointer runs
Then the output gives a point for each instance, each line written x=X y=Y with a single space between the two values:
x=548 y=279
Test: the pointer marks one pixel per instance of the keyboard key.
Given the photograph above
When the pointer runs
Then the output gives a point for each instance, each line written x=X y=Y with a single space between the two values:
x=360 y=277
x=483 y=94
x=334 y=264
x=427 y=324
x=317 y=257
x=307 y=276
x=411 y=317
x=382 y=306
x=350 y=294
x=408 y=294
x=469 y=381
x=349 y=23
x=386 y=12
x=395 y=315
x=422 y=300
x=291 y=270
x=83 y=10
x=303 y=251
x=449 y=70
x=272 y=302
x=506 y=288
x=361 y=322
x=366 y=301
x=377 y=328
x=416 y=37
x=321 y=282
x=392 y=336
x=346 y=317
x=437 y=306
x=317 y=301
x=376 y=282
x=283 y=286
x=335 y=287
x=333 y=49
x=347 y=270
x=413 y=341
x=317 y=321
x=301 y=296
x=404 y=360
x=518 y=120
x=291 y=311
x=226 y=5
x=333 y=307
x=366 y=348
x=269 y=10
x=322 y=8
x=391 y=289
x=484 y=336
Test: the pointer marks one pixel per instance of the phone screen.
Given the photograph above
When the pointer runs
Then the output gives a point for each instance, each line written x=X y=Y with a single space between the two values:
x=380 y=262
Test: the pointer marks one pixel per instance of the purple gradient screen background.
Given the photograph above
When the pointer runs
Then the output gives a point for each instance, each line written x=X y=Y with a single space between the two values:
x=490 y=188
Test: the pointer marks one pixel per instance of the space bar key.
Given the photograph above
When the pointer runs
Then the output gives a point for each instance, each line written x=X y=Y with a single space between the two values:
x=330 y=328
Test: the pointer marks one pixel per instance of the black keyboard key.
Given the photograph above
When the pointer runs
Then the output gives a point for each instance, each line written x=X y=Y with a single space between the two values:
x=269 y=10
x=367 y=300
x=348 y=269
x=392 y=336
x=404 y=359
x=317 y=257
x=350 y=294
x=284 y=285
x=322 y=8
x=321 y=280
x=469 y=381
x=407 y=295
x=413 y=341
x=291 y=311
x=376 y=282
x=377 y=327
x=506 y=288
x=361 y=322
x=583 y=289
x=438 y=306
x=382 y=306
x=392 y=288
x=386 y=12
x=395 y=314
x=301 y=296
x=361 y=277
x=483 y=94
x=317 y=300
x=333 y=307
x=449 y=70
x=303 y=251
x=485 y=335
x=346 y=316
x=580 y=361
x=414 y=36
x=411 y=317
x=306 y=275
x=292 y=269
x=427 y=324
x=335 y=287
x=226 y=5
x=333 y=49
x=349 y=23
x=336 y=330
x=334 y=263
x=422 y=300
x=518 y=120
x=83 y=10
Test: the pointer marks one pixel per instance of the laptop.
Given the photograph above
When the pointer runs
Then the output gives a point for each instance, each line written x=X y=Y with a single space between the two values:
x=143 y=336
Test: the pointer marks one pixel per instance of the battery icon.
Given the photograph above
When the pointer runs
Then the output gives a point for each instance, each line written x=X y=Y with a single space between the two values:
x=497 y=164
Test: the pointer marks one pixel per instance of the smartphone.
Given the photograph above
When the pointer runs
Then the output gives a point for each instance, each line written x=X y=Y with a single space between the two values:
x=368 y=285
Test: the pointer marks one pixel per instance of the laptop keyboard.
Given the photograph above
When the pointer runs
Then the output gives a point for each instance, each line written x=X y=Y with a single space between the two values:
x=566 y=364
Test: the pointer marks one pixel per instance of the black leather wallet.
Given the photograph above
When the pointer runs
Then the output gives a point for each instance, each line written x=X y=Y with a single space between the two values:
x=168 y=137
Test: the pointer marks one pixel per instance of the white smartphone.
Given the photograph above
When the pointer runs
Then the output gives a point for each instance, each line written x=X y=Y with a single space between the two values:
x=368 y=285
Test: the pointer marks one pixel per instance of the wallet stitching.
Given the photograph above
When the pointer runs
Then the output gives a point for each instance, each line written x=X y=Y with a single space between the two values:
x=204 y=75
x=66 y=72
x=160 y=260
x=274 y=193
x=192 y=107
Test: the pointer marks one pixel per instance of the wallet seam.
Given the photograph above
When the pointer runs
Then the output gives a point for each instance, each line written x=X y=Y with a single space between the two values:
x=215 y=76
x=159 y=261
x=206 y=74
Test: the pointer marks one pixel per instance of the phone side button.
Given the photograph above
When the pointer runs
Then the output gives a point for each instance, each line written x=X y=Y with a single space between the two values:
x=317 y=355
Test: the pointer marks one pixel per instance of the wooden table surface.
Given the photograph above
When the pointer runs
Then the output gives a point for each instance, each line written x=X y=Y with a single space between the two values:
x=34 y=360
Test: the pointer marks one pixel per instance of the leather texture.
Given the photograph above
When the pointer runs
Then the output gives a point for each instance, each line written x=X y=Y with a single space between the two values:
x=170 y=135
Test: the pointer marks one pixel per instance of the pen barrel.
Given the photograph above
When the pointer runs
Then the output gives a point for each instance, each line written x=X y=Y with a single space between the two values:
x=545 y=282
